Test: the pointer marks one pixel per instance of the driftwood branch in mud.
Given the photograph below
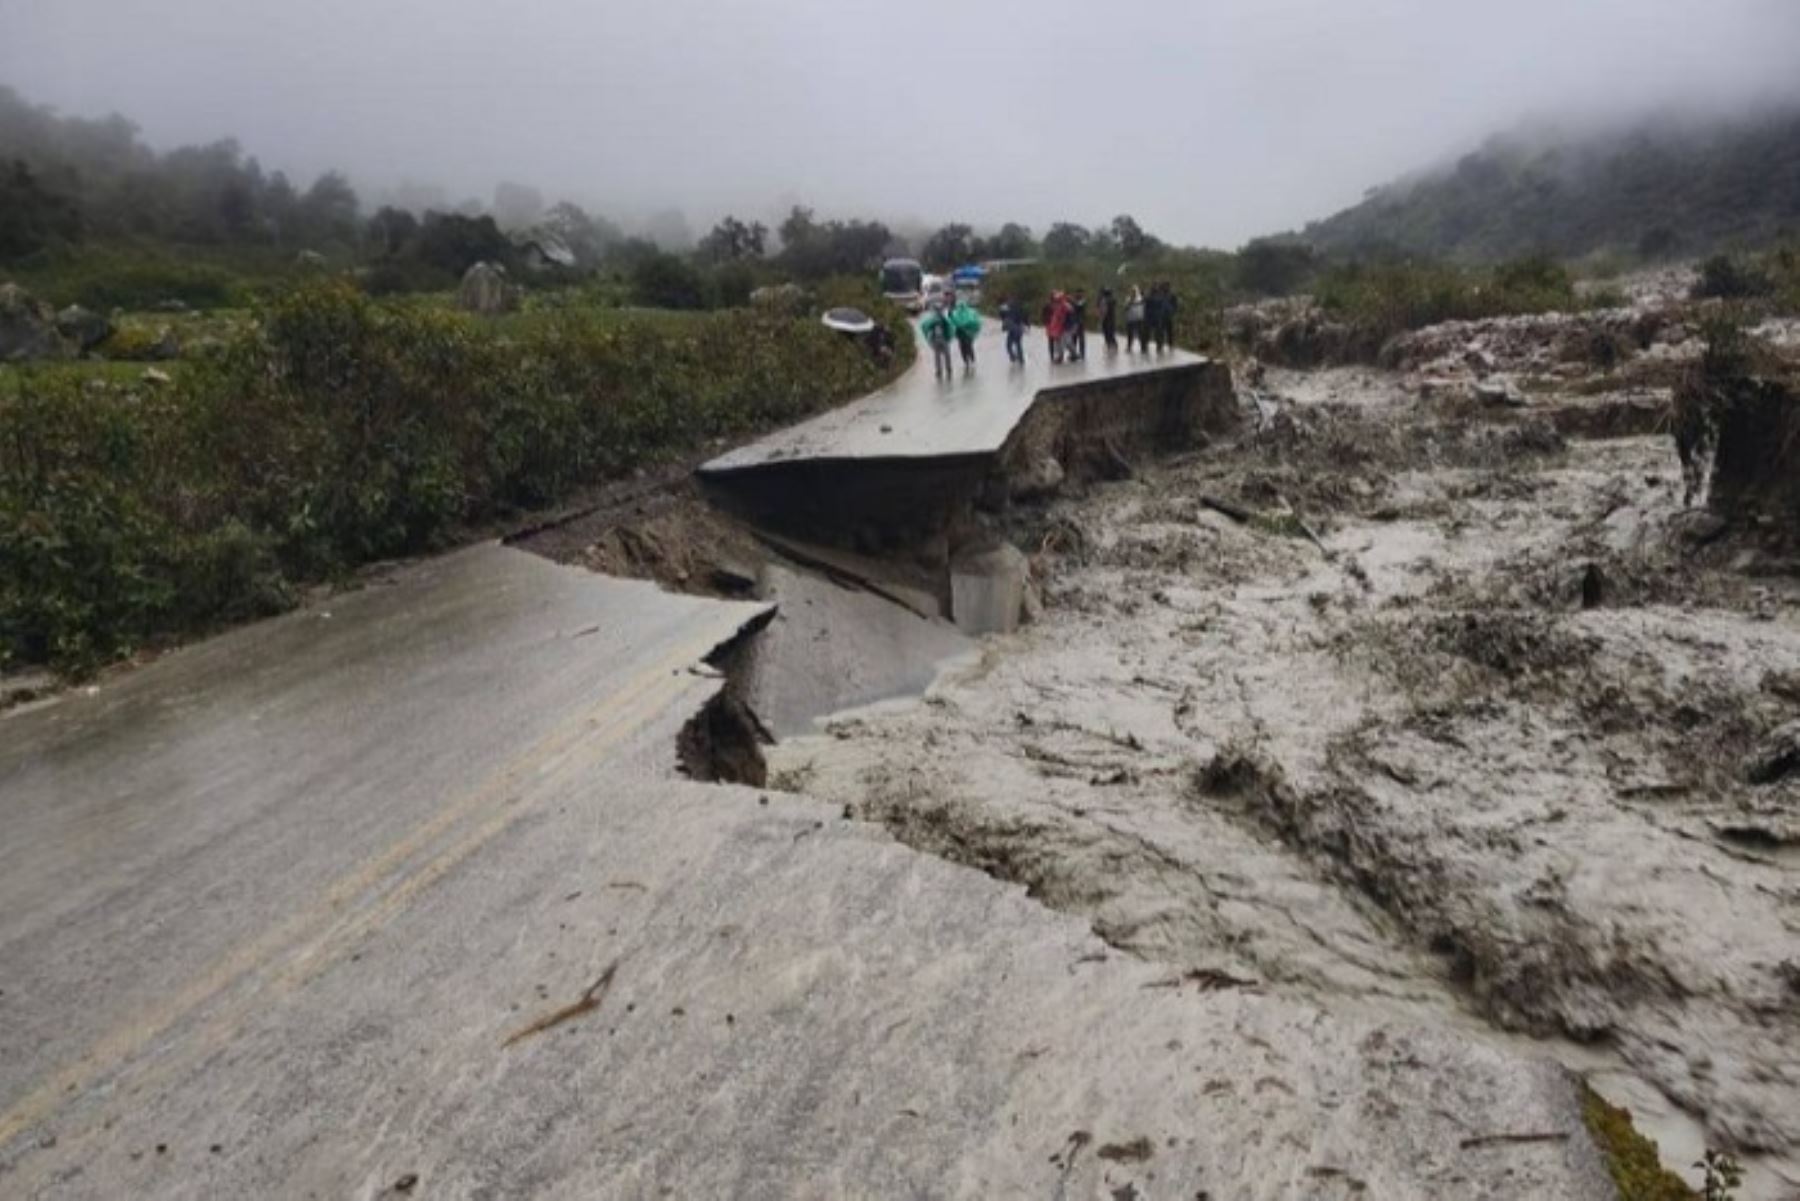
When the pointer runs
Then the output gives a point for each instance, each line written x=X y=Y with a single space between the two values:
x=1300 y=524
x=588 y=1002
x=1237 y=513
x=1490 y=1140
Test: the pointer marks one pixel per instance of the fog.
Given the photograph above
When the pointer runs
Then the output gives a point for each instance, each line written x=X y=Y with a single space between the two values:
x=1209 y=120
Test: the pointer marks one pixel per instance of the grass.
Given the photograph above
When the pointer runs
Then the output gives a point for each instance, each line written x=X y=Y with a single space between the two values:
x=142 y=276
x=14 y=376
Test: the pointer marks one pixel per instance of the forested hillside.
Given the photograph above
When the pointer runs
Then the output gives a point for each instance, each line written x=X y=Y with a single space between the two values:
x=1659 y=188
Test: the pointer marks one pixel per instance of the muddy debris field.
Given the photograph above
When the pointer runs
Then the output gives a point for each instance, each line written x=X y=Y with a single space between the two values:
x=1432 y=693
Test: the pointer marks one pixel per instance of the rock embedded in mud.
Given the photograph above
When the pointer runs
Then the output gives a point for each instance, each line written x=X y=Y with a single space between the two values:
x=1778 y=757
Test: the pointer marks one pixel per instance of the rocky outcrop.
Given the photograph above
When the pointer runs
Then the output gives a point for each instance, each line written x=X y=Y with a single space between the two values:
x=27 y=327
x=1298 y=333
x=83 y=328
x=484 y=290
x=1737 y=429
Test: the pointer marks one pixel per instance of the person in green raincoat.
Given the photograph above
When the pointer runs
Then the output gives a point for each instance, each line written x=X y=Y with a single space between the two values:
x=936 y=328
x=966 y=323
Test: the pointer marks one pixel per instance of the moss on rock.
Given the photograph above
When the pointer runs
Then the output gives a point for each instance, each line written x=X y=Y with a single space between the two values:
x=1632 y=1159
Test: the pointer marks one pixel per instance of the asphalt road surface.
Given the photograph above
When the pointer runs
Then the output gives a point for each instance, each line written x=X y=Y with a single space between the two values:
x=400 y=895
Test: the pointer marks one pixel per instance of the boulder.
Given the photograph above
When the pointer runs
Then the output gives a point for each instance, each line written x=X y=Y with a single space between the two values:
x=82 y=327
x=484 y=290
x=27 y=328
x=1498 y=391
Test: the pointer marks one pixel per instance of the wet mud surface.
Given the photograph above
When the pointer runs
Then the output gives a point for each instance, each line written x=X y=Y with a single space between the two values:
x=1403 y=702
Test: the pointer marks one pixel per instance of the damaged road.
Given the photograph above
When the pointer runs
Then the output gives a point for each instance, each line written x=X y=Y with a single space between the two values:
x=405 y=897
x=1362 y=780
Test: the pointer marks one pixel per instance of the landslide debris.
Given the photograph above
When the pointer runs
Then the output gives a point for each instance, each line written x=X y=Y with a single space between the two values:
x=1508 y=738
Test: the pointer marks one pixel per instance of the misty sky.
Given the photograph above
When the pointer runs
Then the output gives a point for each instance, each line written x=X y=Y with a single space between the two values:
x=1210 y=120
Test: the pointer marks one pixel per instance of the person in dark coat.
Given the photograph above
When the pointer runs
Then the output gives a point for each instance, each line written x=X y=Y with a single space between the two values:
x=1153 y=314
x=1012 y=320
x=1109 y=318
x=1078 y=331
x=1171 y=304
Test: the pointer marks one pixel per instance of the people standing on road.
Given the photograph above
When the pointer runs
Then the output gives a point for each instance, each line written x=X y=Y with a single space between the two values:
x=1134 y=319
x=1109 y=318
x=1078 y=331
x=935 y=325
x=1170 y=305
x=1153 y=316
x=1056 y=325
x=965 y=323
x=1012 y=320
x=1045 y=315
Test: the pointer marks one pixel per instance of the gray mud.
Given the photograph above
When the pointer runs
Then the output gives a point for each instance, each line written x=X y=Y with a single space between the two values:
x=1404 y=705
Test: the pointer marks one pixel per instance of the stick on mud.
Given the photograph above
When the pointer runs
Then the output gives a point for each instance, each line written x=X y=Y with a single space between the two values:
x=588 y=1002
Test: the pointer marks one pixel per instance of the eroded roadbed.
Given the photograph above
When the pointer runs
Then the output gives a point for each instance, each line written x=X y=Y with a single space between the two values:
x=1408 y=710
x=403 y=896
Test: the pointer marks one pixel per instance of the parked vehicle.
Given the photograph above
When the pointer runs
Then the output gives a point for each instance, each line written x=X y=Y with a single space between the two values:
x=903 y=282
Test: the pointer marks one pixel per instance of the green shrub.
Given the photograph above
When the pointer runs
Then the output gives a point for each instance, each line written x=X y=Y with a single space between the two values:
x=1387 y=298
x=339 y=429
x=667 y=281
x=1728 y=277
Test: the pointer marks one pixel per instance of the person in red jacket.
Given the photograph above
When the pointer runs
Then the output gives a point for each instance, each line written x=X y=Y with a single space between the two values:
x=1056 y=324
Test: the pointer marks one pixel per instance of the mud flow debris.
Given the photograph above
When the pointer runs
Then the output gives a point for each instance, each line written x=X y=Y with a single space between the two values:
x=1374 y=693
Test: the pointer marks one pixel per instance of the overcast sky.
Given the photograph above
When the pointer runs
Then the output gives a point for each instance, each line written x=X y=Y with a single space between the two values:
x=1210 y=120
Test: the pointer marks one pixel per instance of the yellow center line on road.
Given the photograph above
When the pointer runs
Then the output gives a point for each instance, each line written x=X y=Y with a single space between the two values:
x=298 y=949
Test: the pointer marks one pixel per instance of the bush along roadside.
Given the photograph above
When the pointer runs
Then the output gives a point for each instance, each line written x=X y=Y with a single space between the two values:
x=337 y=430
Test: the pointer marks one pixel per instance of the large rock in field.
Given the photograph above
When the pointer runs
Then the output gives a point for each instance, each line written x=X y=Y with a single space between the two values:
x=27 y=328
x=484 y=290
x=84 y=328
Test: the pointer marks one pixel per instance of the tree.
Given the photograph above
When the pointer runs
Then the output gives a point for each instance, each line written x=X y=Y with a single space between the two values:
x=328 y=210
x=1066 y=240
x=1274 y=266
x=732 y=241
x=797 y=227
x=949 y=247
x=281 y=208
x=587 y=237
x=1013 y=241
x=391 y=231
x=31 y=217
x=454 y=243
x=662 y=280
x=813 y=250
x=1133 y=242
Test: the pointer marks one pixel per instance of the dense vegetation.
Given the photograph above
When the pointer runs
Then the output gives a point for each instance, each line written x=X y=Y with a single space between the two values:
x=340 y=429
x=1661 y=189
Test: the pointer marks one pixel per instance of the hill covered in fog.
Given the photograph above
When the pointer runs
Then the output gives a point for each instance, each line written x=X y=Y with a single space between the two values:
x=1659 y=188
